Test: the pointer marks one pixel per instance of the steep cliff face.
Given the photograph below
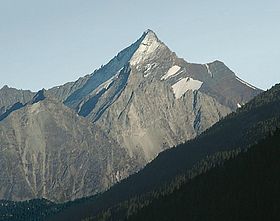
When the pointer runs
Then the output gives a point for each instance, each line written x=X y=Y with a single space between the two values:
x=48 y=151
x=147 y=118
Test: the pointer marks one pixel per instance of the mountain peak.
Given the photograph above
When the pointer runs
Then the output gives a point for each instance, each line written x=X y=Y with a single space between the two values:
x=149 y=32
x=41 y=95
x=149 y=44
x=150 y=36
x=5 y=87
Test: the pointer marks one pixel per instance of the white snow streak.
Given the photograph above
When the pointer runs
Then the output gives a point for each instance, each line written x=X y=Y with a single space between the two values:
x=239 y=105
x=106 y=84
x=172 y=71
x=247 y=84
x=146 y=48
x=208 y=70
x=185 y=84
x=148 y=69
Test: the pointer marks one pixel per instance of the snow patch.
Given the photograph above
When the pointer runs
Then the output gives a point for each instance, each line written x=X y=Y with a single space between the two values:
x=247 y=84
x=107 y=83
x=184 y=85
x=148 y=69
x=208 y=70
x=239 y=105
x=149 y=44
x=118 y=176
x=172 y=71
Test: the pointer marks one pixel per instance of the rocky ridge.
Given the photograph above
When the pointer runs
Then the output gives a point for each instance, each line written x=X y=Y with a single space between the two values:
x=148 y=99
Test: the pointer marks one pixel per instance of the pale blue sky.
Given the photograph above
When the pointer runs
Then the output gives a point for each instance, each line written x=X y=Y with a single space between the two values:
x=47 y=43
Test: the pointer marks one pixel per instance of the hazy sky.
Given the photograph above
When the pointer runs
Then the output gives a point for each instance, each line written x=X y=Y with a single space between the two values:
x=47 y=43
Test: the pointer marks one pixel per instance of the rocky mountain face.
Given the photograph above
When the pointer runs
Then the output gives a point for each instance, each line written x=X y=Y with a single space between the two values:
x=148 y=99
x=78 y=139
x=11 y=98
x=48 y=151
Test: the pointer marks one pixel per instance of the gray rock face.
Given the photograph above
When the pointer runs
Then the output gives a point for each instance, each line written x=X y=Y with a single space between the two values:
x=48 y=151
x=10 y=96
x=109 y=124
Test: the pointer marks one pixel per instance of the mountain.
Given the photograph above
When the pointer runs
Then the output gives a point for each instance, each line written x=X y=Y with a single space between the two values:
x=226 y=139
x=47 y=151
x=85 y=136
x=148 y=99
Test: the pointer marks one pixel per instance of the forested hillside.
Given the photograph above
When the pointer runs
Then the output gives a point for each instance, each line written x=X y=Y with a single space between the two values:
x=244 y=188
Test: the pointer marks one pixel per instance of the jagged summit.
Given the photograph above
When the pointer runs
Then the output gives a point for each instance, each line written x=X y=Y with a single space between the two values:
x=150 y=34
x=5 y=87
x=39 y=96
x=147 y=49
x=149 y=31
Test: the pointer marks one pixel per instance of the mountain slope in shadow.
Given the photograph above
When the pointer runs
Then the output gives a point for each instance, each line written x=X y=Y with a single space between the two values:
x=244 y=188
